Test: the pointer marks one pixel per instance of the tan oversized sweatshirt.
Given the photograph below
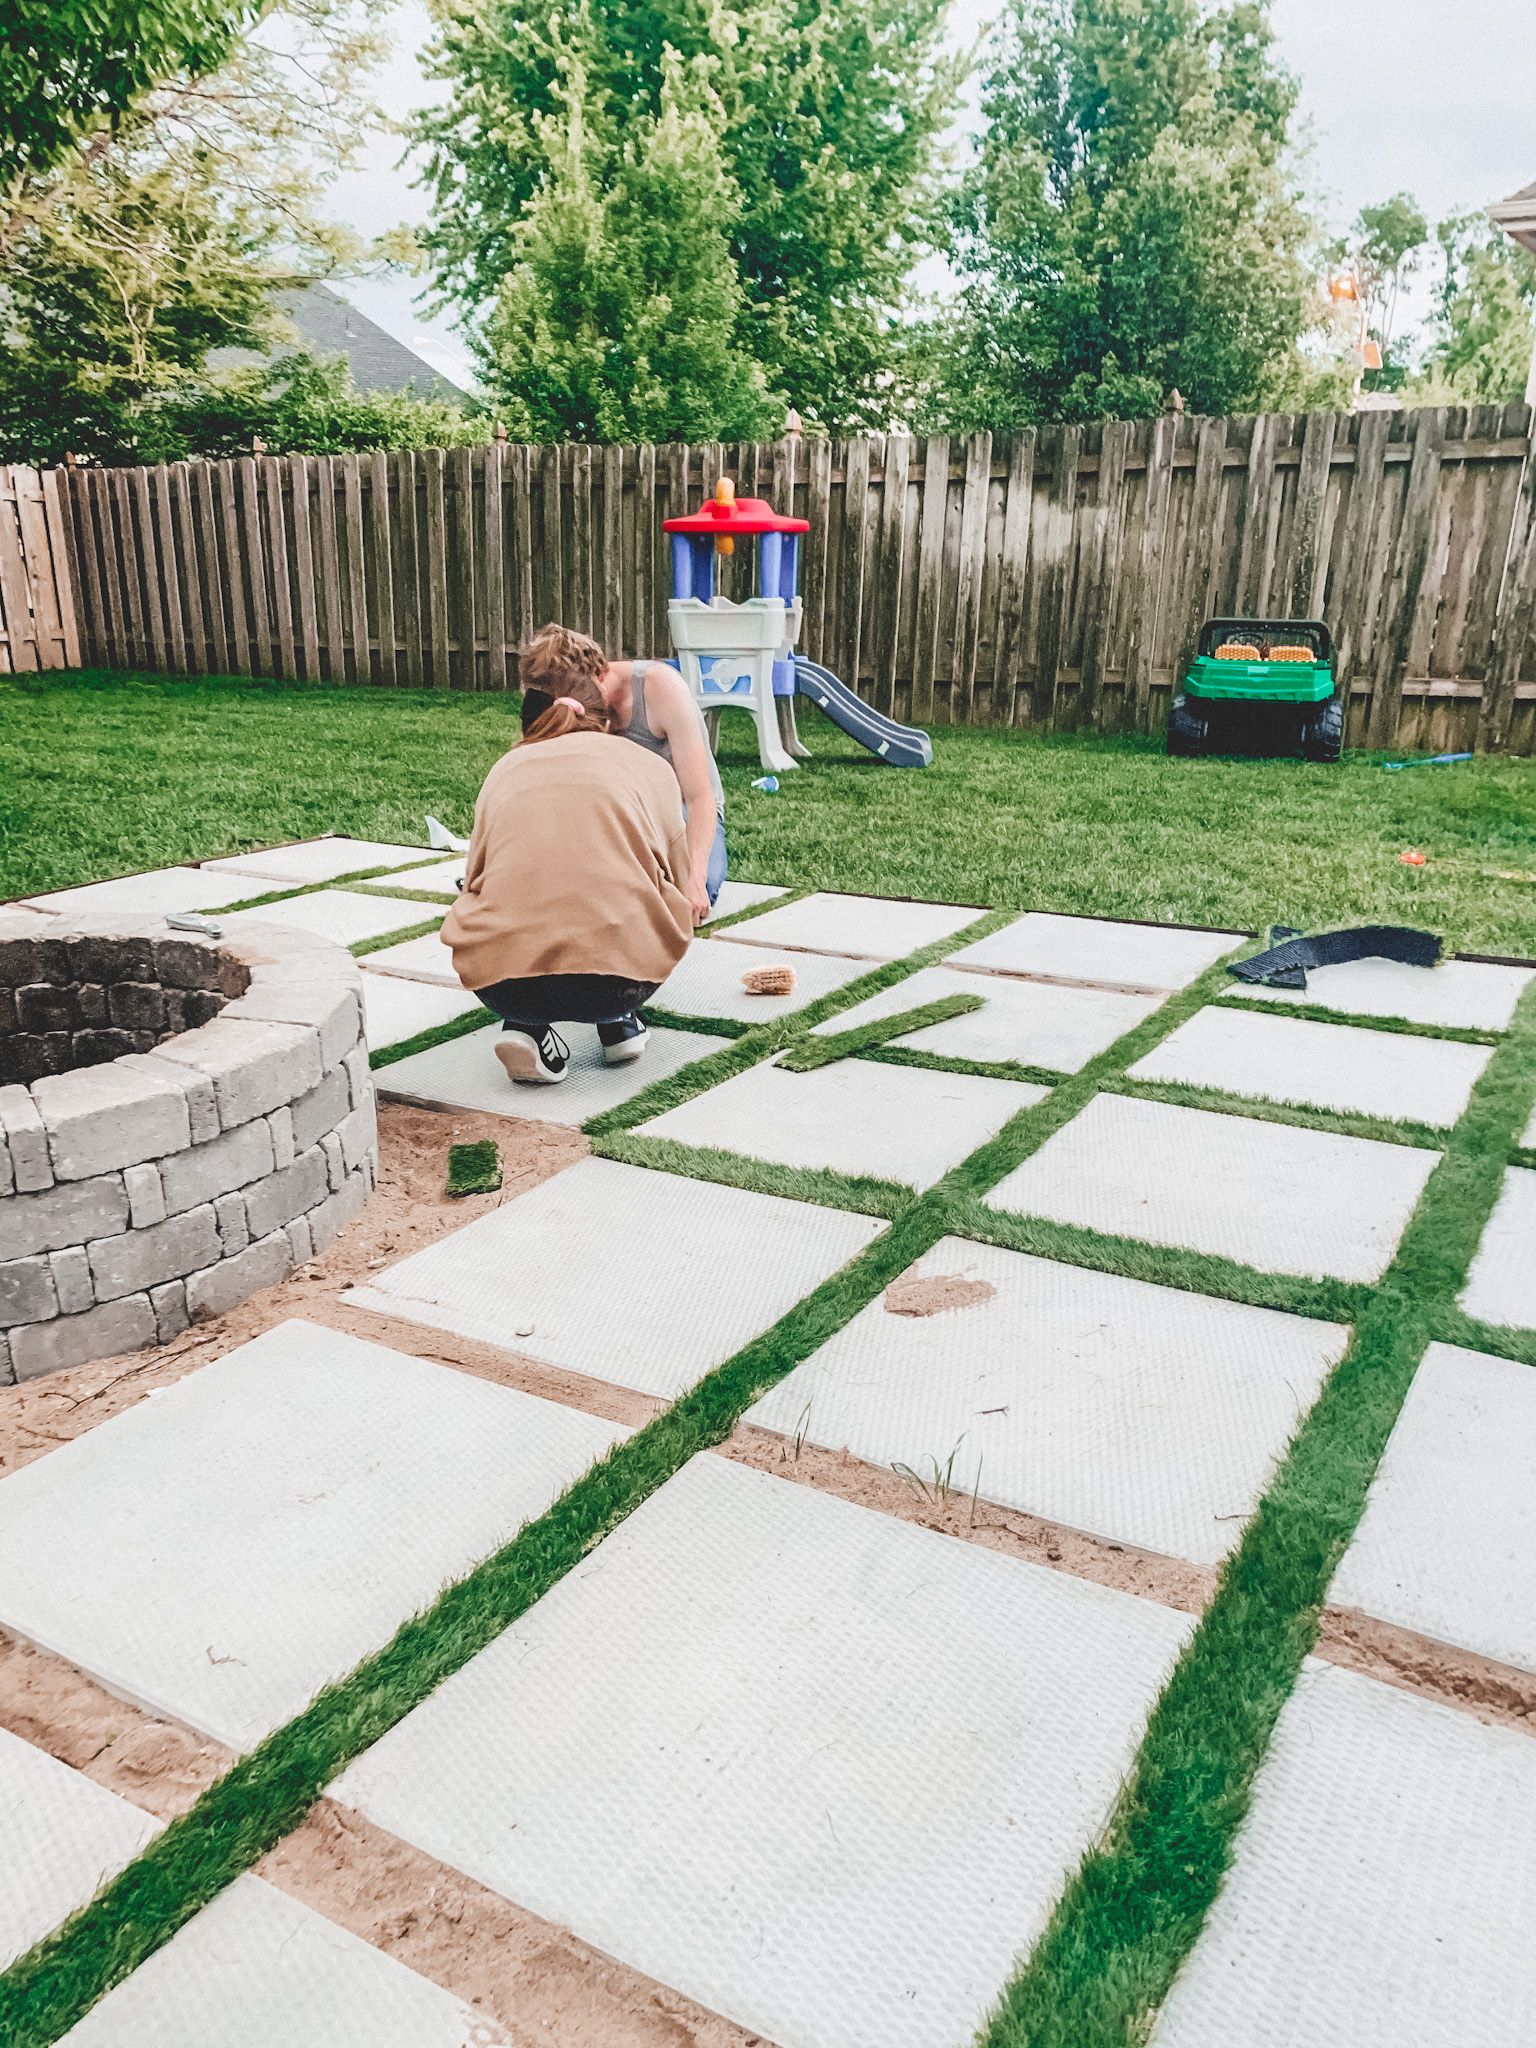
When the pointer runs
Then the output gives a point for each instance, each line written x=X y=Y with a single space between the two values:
x=573 y=866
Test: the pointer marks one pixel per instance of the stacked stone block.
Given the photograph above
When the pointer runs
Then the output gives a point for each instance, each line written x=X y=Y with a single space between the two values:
x=170 y=1182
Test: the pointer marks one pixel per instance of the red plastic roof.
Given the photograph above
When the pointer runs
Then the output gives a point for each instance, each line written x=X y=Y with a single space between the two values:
x=742 y=515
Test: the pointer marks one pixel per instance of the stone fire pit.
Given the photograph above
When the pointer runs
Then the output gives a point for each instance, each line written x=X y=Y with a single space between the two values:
x=183 y=1120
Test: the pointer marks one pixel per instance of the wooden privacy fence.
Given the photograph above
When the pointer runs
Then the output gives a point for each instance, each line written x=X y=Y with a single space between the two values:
x=37 y=606
x=1054 y=578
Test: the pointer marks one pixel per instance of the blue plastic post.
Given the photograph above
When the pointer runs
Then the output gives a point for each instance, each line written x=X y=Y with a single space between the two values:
x=704 y=567
x=770 y=558
x=682 y=566
x=789 y=574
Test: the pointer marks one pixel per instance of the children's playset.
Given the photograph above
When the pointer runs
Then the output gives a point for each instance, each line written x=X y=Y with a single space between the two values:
x=742 y=655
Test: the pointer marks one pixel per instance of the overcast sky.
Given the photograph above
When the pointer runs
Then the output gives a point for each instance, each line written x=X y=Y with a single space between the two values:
x=1396 y=95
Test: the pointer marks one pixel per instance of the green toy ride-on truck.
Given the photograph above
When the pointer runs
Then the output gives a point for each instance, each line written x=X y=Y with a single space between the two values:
x=1266 y=682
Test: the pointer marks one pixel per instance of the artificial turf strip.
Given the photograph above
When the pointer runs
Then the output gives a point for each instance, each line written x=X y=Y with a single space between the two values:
x=435 y=1034
x=1136 y=1904
x=265 y=1795
x=1317 y=1013
x=1455 y=1326
x=821 y=1186
x=474 y=1169
x=724 y=924
x=941 y=1063
x=707 y=1027
x=807 y=1054
x=1344 y=1123
x=1131 y=1258
x=396 y=938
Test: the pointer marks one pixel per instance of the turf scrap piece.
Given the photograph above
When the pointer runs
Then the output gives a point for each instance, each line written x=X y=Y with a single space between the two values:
x=1285 y=963
x=474 y=1169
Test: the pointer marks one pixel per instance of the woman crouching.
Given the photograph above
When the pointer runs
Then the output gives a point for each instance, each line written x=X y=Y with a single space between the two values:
x=574 y=907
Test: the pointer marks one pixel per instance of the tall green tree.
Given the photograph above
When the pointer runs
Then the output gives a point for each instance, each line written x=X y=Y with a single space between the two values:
x=827 y=124
x=619 y=318
x=1484 y=323
x=69 y=67
x=172 y=236
x=1130 y=227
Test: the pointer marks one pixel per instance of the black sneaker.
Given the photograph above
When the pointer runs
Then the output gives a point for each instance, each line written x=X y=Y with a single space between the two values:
x=535 y=1055
x=623 y=1039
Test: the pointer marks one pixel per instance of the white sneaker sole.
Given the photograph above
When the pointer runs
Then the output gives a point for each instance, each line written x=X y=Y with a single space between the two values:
x=626 y=1052
x=520 y=1058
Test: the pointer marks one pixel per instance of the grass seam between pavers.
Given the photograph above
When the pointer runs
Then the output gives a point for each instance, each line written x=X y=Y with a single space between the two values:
x=1304 y=1116
x=361 y=948
x=821 y=1186
x=266 y=1794
x=1319 y=1013
x=1161 y=1265
x=1136 y=1903
x=1498 y=1340
x=812 y=1051
x=478 y=1019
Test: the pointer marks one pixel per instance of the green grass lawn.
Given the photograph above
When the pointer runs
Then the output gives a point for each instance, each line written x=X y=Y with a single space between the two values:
x=103 y=774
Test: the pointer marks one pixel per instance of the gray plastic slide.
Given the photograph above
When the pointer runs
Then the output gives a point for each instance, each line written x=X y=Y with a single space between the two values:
x=903 y=746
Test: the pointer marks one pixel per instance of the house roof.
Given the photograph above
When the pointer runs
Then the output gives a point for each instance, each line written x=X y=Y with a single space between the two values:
x=332 y=326
x=1516 y=215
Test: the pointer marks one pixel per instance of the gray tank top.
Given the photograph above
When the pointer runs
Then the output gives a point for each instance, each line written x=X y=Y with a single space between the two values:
x=639 y=730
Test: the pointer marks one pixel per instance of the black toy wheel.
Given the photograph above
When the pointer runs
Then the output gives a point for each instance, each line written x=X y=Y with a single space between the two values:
x=1322 y=737
x=1189 y=731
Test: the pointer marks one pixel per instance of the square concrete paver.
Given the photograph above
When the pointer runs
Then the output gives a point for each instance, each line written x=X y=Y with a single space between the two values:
x=821 y=1770
x=1384 y=1886
x=1094 y=949
x=1501 y=1287
x=1140 y=1414
x=423 y=959
x=255 y=1969
x=1463 y=995
x=1323 y=1066
x=63 y=1836
x=857 y=1116
x=317 y=860
x=344 y=915
x=1448 y=1539
x=739 y=896
x=395 y=1009
x=466 y=1074
x=674 y=1277
x=223 y=1549
x=165 y=892
x=1035 y=1023
x=863 y=927
x=1269 y=1195
x=706 y=982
